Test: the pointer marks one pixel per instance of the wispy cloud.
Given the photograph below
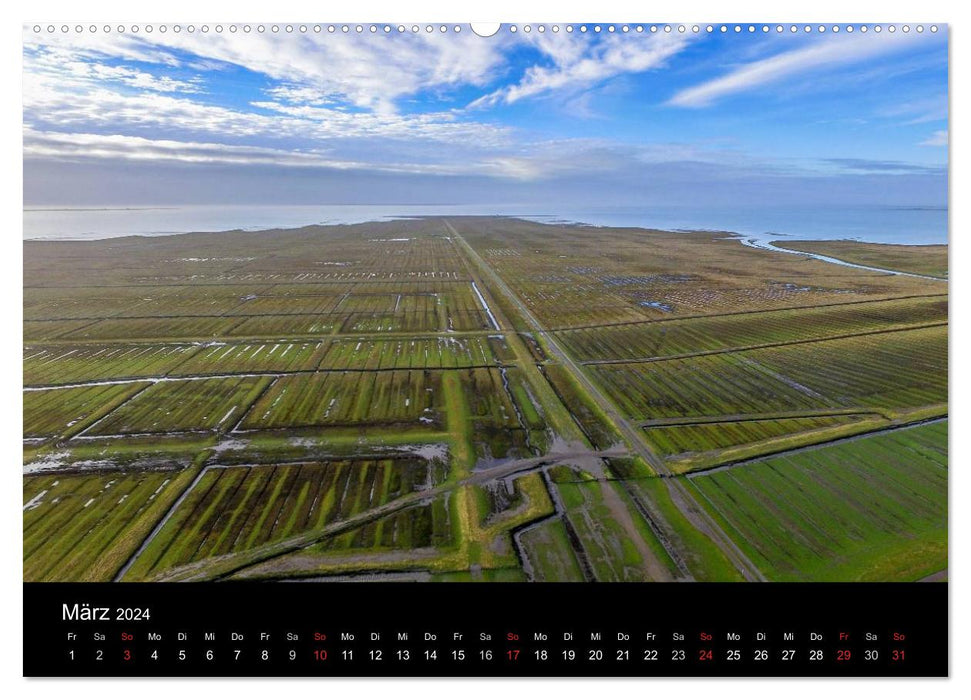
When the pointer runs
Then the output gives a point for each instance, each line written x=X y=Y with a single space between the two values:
x=938 y=138
x=73 y=146
x=544 y=161
x=368 y=71
x=79 y=68
x=535 y=162
x=87 y=146
x=828 y=53
x=56 y=105
x=886 y=167
x=581 y=62
x=918 y=111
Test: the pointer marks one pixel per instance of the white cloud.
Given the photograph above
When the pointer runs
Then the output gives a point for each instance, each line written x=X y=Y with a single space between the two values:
x=832 y=52
x=78 y=69
x=370 y=71
x=80 y=103
x=918 y=111
x=332 y=101
x=581 y=62
x=328 y=122
x=98 y=45
x=86 y=146
x=320 y=88
x=938 y=138
x=62 y=104
x=140 y=79
x=536 y=162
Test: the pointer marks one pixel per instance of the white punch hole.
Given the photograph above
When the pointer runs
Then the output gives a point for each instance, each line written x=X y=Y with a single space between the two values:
x=486 y=29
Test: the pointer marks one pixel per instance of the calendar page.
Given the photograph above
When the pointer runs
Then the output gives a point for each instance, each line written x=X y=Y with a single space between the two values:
x=424 y=349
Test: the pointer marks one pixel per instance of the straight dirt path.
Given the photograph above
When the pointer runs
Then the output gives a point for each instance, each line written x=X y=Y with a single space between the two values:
x=680 y=494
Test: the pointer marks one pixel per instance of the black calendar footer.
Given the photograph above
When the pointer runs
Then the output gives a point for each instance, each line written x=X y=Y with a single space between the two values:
x=503 y=629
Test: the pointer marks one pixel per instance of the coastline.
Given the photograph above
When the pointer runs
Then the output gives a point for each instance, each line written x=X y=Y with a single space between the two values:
x=893 y=225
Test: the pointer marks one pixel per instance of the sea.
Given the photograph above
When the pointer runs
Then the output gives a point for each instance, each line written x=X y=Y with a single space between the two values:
x=908 y=225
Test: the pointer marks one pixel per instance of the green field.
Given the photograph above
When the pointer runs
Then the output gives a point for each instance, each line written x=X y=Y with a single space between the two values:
x=252 y=357
x=54 y=412
x=178 y=406
x=550 y=553
x=89 y=525
x=664 y=338
x=233 y=510
x=477 y=399
x=685 y=438
x=614 y=539
x=869 y=509
x=53 y=365
x=350 y=398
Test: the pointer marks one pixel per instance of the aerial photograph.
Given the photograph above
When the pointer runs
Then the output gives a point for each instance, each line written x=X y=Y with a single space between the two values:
x=604 y=303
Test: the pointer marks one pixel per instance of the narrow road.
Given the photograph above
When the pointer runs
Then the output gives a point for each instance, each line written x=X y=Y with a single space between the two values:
x=680 y=494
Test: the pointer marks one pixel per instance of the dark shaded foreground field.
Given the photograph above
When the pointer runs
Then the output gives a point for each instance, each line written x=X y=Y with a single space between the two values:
x=480 y=399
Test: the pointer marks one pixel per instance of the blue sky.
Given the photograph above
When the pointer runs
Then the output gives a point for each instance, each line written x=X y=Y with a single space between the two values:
x=637 y=118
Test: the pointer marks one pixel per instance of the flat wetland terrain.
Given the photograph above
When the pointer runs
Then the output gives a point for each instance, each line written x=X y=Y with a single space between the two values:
x=928 y=260
x=483 y=399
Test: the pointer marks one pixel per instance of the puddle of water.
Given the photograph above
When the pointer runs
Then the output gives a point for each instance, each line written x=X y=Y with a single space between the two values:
x=231 y=444
x=492 y=319
x=659 y=305
x=429 y=452
x=36 y=501
x=48 y=462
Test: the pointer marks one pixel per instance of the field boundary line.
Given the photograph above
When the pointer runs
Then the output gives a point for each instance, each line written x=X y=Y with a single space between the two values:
x=436 y=280
x=893 y=428
x=751 y=312
x=763 y=346
x=750 y=417
x=234 y=375
x=68 y=435
x=379 y=336
x=161 y=523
